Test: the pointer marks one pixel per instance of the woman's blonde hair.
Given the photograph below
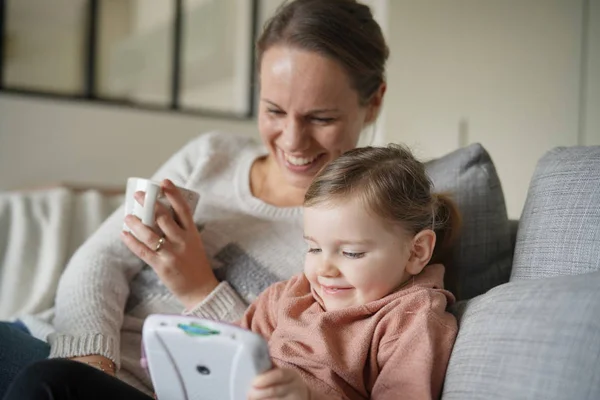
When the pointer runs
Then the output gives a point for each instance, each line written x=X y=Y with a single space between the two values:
x=395 y=186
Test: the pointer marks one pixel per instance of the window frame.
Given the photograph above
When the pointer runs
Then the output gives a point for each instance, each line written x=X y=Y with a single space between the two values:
x=89 y=93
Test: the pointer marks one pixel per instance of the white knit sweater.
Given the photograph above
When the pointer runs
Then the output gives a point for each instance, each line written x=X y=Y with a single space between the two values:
x=106 y=291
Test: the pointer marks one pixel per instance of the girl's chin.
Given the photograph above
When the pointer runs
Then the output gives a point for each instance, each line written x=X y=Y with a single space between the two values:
x=330 y=306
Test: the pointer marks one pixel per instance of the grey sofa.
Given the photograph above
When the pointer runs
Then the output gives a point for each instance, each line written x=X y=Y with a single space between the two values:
x=529 y=309
x=529 y=298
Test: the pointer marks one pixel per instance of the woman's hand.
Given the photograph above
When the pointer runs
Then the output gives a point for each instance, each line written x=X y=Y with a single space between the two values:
x=98 y=361
x=180 y=261
x=279 y=383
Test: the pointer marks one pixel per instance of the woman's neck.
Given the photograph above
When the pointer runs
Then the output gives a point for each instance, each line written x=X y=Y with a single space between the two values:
x=267 y=184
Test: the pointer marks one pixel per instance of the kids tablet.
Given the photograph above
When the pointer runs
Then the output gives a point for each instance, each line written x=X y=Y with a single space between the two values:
x=191 y=358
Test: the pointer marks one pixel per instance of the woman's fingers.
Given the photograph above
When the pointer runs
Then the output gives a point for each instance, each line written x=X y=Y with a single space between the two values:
x=164 y=219
x=179 y=204
x=149 y=256
x=168 y=226
x=181 y=261
x=140 y=196
x=143 y=233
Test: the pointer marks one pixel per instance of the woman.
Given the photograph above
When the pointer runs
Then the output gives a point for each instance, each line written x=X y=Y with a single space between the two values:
x=321 y=65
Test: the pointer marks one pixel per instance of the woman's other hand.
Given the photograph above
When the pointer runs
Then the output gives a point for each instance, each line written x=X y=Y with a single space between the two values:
x=279 y=383
x=97 y=361
x=178 y=258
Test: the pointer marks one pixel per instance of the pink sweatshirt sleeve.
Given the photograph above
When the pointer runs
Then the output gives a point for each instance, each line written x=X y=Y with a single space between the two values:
x=413 y=364
x=261 y=316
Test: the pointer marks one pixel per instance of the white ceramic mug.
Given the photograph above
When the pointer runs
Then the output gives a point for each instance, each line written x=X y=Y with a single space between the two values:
x=153 y=193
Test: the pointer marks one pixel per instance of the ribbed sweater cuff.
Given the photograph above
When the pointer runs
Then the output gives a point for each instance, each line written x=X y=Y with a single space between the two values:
x=67 y=346
x=223 y=304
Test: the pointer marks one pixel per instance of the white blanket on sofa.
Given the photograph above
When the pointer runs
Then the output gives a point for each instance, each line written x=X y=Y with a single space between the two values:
x=39 y=231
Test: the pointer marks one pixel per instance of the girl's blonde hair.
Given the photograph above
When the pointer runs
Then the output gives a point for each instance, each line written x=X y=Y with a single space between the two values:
x=393 y=185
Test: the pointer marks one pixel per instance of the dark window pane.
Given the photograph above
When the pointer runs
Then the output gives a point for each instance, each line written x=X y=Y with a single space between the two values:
x=45 y=45
x=135 y=50
x=217 y=53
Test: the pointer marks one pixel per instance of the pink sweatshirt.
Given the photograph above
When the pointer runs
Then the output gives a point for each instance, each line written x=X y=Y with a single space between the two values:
x=395 y=348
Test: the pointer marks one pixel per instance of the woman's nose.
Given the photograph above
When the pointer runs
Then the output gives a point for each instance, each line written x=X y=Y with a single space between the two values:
x=296 y=136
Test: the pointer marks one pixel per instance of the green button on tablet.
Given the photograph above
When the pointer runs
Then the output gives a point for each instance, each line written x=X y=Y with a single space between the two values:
x=194 y=329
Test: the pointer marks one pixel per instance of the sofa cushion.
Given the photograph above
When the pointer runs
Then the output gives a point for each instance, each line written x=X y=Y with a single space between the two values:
x=559 y=231
x=533 y=339
x=484 y=251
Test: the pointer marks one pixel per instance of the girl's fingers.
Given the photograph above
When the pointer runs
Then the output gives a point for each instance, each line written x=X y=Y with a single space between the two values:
x=270 y=392
x=275 y=376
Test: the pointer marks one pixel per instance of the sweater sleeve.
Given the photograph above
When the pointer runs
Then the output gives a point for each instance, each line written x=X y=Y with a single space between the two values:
x=222 y=304
x=413 y=364
x=94 y=288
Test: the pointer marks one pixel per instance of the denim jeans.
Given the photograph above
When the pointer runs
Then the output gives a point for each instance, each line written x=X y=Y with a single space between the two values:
x=17 y=350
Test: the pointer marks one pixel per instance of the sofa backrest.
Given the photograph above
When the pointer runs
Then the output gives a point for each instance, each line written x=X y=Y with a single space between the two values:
x=559 y=230
x=484 y=250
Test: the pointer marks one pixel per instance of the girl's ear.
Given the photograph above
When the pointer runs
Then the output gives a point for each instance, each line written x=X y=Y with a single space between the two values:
x=421 y=251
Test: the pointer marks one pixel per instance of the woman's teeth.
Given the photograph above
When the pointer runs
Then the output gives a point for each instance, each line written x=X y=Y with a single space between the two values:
x=299 y=161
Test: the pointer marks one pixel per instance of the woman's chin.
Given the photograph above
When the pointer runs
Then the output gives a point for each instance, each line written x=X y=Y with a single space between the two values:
x=300 y=182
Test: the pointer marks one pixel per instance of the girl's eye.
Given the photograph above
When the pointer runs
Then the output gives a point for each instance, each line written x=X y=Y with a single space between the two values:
x=314 y=250
x=353 y=255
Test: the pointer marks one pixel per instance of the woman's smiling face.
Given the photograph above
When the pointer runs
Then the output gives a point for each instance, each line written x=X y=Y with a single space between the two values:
x=309 y=113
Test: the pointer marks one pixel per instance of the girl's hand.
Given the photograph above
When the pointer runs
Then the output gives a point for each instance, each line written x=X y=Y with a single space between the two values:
x=180 y=261
x=279 y=383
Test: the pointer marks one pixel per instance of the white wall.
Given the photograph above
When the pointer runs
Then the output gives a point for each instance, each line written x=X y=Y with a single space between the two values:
x=45 y=141
x=502 y=73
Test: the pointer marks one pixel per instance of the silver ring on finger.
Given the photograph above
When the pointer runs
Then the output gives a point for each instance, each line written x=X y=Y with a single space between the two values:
x=161 y=241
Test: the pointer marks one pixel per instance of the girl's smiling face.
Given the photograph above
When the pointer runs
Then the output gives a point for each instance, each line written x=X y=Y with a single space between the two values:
x=353 y=257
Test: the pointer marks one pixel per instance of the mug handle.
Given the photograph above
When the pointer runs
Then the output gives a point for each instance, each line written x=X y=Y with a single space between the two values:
x=150 y=197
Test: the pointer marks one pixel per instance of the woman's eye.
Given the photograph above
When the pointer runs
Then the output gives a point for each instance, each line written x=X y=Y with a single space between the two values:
x=353 y=255
x=314 y=250
x=275 y=112
x=322 y=120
